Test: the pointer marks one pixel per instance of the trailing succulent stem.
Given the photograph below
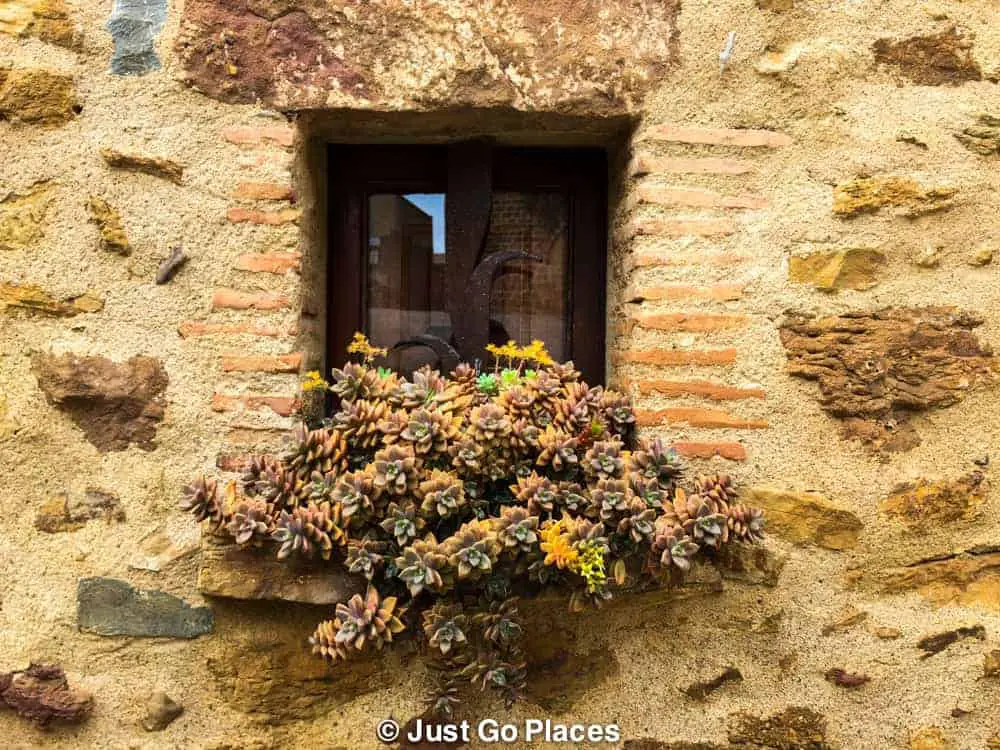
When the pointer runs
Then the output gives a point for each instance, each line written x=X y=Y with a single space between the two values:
x=454 y=494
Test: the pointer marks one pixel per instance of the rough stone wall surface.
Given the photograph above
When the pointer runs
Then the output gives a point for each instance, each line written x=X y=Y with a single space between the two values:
x=865 y=132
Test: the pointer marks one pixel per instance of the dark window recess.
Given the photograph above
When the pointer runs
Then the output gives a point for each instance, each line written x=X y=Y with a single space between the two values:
x=438 y=251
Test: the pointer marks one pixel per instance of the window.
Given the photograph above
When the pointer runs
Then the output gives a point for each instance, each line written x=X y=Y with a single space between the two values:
x=440 y=250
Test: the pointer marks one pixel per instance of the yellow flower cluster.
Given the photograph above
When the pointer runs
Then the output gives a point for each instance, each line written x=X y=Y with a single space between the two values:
x=555 y=544
x=314 y=382
x=533 y=352
x=361 y=345
x=591 y=565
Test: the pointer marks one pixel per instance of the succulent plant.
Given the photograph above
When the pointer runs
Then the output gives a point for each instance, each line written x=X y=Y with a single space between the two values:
x=201 y=499
x=358 y=421
x=309 y=531
x=604 y=460
x=365 y=557
x=355 y=382
x=396 y=470
x=421 y=566
x=674 y=546
x=516 y=529
x=745 y=523
x=539 y=494
x=402 y=522
x=472 y=550
x=251 y=518
x=442 y=495
x=558 y=449
x=655 y=462
x=444 y=626
x=458 y=490
x=371 y=620
x=317 y=451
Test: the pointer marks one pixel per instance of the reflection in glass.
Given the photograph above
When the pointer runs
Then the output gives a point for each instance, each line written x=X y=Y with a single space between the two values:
x=407 y=272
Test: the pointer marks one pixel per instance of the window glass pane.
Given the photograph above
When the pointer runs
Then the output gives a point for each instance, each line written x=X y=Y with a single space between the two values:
x=530 y=299
x=406 y=272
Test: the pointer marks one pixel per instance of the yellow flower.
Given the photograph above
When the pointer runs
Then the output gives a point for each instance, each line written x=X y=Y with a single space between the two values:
x=361 y=345
x=555 y=543
x=314 y=382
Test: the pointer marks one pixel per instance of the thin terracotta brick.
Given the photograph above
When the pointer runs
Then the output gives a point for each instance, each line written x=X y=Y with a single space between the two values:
x=233 y=299
x=714 y=293
x=281 y=135
x=720 y=136
x=731 y=451
x=263 y=191
x=646 y=164
x=653 y=260
x=268 y=218
x=690 y=322
x=695 y=417
x=676 y=357
x=680 y=227
x=283 y=405
x=668 y=195
x=237 y=462
x=700 y=388
x=199 y=328
x=262 y=363
x=277 y=262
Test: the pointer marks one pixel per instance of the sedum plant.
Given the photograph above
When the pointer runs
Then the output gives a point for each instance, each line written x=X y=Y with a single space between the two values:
x=451 y=496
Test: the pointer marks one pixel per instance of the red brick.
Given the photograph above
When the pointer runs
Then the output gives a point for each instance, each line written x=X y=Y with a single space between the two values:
x=269 y=218
x=680 y=227
x=731 y=451
x=282 y=135
x=700 y=388
x=676 y=357
x=653 y=260
x=716 y=293
x=695 y=417
x=668 y=195
x=264 y=191
x=262 y=363
x=276 y=262
x=283 y=405
x=690 y=322
x=235 y=300
x=236 y=462
x=719 y=136
x=200 y=328
x=646 y=164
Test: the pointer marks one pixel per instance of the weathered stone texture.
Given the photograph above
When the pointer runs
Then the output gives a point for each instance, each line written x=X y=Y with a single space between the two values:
x=34 y=300
x=869 y=194
x=48 y=20
x=157 y=166
x=982 y=138
x=22 y=216
x=805 y=517
x=925 y=503
x=931 y=60
x=62 y=514
x=109 y=223
x=34 y=95
x=969 y=578
x=42 y=694
x=109 y=607
x=874 y=369
x=851 y=268
x=395 y=54
x=115 y=404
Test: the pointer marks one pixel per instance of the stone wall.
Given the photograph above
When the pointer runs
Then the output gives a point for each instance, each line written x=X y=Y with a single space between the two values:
x=803 y=292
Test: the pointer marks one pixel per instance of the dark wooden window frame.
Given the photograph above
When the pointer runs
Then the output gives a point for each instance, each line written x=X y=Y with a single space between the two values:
x=468 y=173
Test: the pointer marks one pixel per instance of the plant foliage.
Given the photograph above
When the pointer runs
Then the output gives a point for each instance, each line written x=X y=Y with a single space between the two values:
x=454 y=495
